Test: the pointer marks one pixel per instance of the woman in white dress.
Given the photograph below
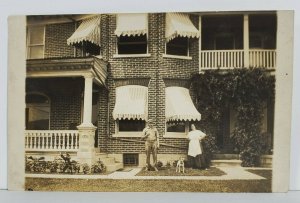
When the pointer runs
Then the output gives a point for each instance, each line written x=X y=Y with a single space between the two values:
x=195 y=153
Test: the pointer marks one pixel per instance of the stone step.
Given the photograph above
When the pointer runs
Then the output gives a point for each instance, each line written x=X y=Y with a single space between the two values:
x=114 y=167
x=225 y=156
x=226 y=163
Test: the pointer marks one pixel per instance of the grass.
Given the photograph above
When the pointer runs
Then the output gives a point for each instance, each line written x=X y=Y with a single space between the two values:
x=266 y=173
x=188 y=172
x=126 y=185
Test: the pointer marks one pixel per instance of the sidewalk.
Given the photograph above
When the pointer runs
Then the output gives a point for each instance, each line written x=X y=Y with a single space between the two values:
x=232 y=173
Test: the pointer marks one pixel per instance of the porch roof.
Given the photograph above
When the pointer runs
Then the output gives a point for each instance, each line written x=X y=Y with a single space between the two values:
x=68 y=67
x=179 y=105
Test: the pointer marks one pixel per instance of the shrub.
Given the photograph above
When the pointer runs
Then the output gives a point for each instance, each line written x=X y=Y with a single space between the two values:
x=159 y=164
x=98 y=167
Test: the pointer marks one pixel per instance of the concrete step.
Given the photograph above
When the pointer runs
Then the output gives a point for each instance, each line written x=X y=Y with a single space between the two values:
x=226 y=163
x=113 y=167
x=225 y=156
x=108 y=160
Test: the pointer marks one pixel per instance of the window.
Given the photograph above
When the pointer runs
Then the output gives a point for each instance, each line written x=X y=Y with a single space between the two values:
x=178 y=46
x=177 y=127
x=37 y=112
x=131 y=159
x=131 y=125
x=35 y=42
x=89 y=49
x=132 y=44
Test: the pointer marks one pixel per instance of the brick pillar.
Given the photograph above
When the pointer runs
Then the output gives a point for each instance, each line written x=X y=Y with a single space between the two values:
x=86 y=129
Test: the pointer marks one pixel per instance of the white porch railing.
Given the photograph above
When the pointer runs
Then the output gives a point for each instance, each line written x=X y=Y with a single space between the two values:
x=228 y=59
x=262 y=58
x=51 y=140
x=222 y=59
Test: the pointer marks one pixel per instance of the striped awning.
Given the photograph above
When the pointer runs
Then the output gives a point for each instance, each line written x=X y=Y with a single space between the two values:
x=180 y=25
x=131 y=102
x=88 y=30
x=179 y=105
x=132 y=24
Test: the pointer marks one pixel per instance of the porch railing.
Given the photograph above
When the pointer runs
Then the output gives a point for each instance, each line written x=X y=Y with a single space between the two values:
x=51 y=140
x=222 y=59
x=229 y=59
x=262 y=58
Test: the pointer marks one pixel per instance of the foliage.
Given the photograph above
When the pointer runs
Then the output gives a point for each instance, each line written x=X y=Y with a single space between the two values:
x=159 y=164
x=246 y=90
x=98 y=167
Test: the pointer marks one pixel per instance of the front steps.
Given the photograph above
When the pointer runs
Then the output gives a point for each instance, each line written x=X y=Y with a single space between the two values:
x=110 y=162
x=233 y=160
x=226 y=160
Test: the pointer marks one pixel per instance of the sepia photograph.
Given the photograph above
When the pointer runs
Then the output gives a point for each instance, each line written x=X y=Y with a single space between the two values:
x=152 y=102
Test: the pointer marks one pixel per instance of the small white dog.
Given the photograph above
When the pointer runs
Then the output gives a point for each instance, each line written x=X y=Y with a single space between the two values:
x=180 y=165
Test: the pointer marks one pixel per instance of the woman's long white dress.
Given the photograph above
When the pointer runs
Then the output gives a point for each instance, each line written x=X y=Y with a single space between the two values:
x=194 y=145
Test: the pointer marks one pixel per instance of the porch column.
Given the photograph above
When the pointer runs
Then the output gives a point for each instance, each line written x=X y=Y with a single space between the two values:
x=200 y=44
x=86 y=152
x=246 y=40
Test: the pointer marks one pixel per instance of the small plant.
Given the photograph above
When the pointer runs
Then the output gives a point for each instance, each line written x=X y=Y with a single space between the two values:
x=85 y=168
x=159 y=164
x=175 y=163
x=98 y=167
x=34 y=164
x=168 y=164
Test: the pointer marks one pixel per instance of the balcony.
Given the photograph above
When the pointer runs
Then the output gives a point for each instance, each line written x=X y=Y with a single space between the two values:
x=229 y=59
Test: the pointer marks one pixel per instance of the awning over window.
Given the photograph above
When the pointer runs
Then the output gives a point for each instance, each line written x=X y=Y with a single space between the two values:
x=180 y=25
x=132 y=24
x=131 y=102
x=88 y=30
x=179 y=105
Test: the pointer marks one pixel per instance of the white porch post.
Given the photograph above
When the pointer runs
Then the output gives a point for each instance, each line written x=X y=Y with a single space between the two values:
x=246 y=40
x=86 y=152
x=200 y=44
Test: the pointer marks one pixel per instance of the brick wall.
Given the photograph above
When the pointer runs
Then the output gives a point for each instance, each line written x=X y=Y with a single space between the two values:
x=154 y=67
x=56 y=40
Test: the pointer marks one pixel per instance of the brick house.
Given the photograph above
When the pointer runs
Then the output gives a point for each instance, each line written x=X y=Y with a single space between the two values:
x=93 y=80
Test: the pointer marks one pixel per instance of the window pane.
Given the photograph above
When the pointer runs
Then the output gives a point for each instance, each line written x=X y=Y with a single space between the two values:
x=132 y=45
x=176 y=126
x=178 y=46
x=36 y=35
x=36 y=52
x=131 y=125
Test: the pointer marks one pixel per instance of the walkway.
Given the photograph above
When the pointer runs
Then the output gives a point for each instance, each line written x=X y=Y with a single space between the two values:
x=232 y=173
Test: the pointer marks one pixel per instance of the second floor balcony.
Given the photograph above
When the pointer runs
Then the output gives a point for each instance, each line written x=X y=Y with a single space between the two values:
x=236 y=41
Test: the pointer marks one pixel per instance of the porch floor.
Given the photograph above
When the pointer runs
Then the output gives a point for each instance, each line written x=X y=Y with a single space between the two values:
x=232 y=173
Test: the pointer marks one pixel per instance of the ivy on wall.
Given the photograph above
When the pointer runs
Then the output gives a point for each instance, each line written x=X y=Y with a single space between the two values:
x=247 y=91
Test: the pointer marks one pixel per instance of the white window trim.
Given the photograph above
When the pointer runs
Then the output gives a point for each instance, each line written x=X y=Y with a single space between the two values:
x=188 y=57
x=32 y=45
x=182 y=135
x=117 y=55
x=131 y=55
x=177 y=57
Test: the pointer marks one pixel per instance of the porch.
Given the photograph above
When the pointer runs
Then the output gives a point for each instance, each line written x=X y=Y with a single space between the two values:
x=62 y=96
x=237 y=41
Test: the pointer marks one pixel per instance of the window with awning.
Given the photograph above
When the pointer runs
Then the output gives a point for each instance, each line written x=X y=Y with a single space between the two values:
x=132 y=32
x=131 y=108
x=179 y=105
x=179 y=28
x=87 y=36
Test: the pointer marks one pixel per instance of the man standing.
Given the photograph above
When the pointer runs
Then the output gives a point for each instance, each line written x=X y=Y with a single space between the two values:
x=150 y=134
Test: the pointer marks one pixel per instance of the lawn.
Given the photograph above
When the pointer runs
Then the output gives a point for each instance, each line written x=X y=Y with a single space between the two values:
x=212 y=171
x=126 y=185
